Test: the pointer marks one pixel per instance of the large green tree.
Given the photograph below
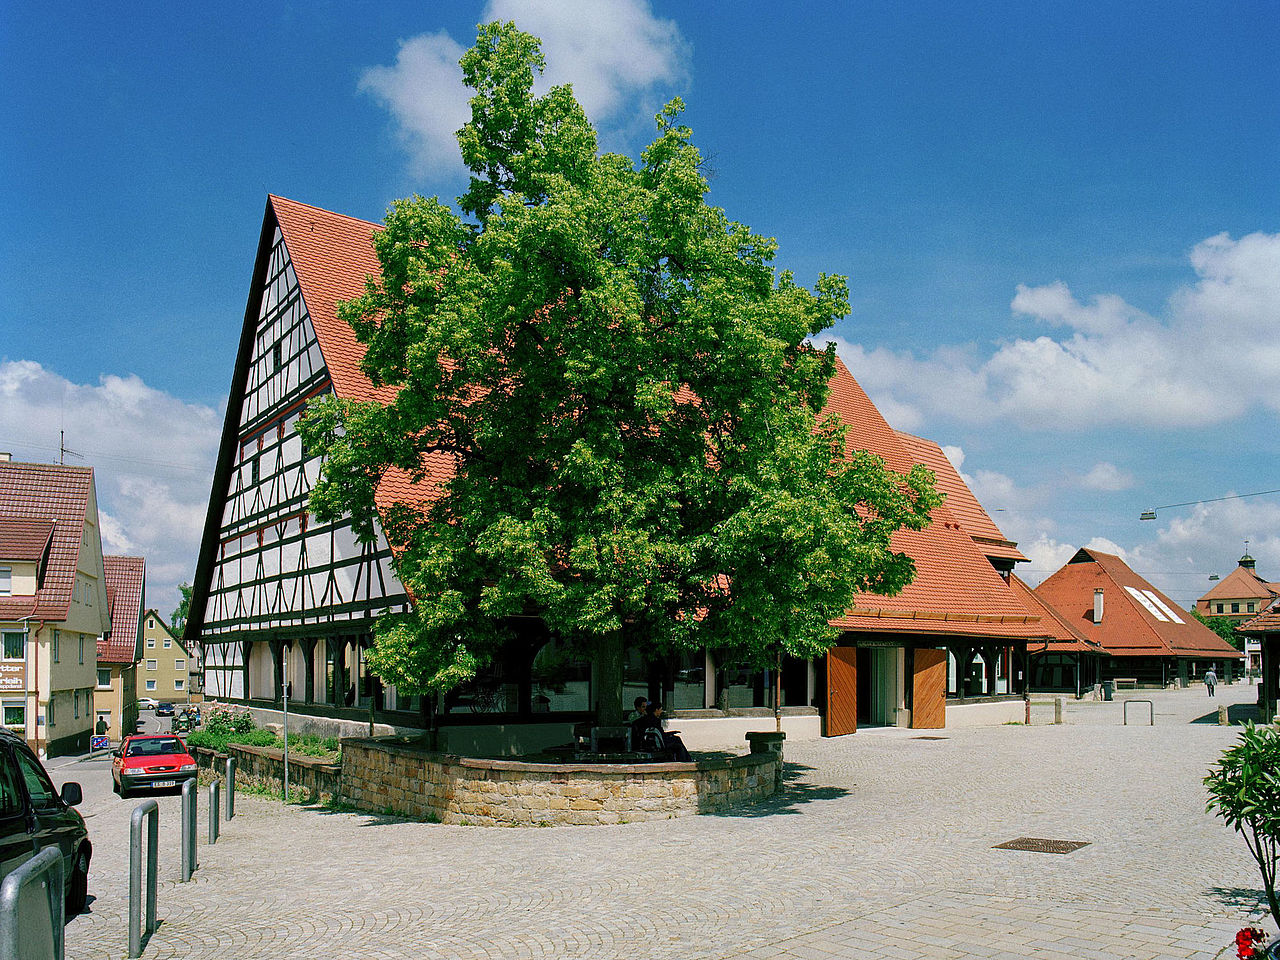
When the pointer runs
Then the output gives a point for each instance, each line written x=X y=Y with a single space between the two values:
x=1225 y=627
x=621 y=384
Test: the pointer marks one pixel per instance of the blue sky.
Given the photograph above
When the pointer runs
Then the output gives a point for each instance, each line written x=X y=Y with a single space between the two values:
x=1060 y=222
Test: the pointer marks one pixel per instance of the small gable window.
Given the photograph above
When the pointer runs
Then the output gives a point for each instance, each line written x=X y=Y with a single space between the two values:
x=1249 y=607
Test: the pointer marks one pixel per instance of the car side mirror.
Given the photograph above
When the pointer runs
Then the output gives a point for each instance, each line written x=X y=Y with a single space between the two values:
x=116 y=752
x=72 y=795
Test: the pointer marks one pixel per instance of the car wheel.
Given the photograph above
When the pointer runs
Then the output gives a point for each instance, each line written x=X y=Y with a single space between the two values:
x=78 y=885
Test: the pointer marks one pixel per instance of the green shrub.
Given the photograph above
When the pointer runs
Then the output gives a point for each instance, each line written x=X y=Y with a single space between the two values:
x=227 y=720
x=1244 y=788
x=218 y=741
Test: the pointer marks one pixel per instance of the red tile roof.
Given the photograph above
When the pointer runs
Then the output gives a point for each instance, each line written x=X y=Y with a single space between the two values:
x=1066 y=638
x=1128 y=628
x=1240 y=584
x=964 y=506
x=25 y=540
x=1266 y=622
x=55 y=494
x=126 y=582
x=956 y=590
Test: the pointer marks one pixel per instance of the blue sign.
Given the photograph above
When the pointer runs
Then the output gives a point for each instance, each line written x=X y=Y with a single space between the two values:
x=99 y=743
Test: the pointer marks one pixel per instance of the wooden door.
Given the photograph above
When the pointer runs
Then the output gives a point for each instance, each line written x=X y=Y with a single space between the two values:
x=842 y=691
x=929 y=690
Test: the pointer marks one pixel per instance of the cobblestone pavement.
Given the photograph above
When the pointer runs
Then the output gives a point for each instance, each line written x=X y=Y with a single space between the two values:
x=880 y=848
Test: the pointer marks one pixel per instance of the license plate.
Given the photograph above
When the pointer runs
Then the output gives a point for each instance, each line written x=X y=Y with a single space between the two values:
x=164 y=783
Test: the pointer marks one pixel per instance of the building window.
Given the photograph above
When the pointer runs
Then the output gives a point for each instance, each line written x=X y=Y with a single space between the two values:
x=6 y=581
x=179 y=684
x=15 y=646
x=1219 y=608
x=49 y=719
x=1235 y=608
x=167 y=643
x=151 y=685
x=1249 y=607
x=180 y=664
x=104 y=677
x=151 y=623
x=15 y=717
x=277 y=357
x=75 y=699
x=151 y=643
x=82 y=648
x=151 y=664
x=53 y=647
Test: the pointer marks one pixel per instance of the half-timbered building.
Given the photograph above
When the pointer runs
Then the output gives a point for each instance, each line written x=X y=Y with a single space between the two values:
x=285 y=604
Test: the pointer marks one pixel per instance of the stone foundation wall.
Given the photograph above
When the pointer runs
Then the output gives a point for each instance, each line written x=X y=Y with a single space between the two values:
x=389 y=774
x=264 y=767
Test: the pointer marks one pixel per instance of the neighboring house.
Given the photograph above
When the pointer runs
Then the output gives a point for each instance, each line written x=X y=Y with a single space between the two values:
x=1265 y=628
x=1240 y=595
x=164 y=671
x=116 y=697
x=275 y=586
x=53 y=603
x=1149 y=639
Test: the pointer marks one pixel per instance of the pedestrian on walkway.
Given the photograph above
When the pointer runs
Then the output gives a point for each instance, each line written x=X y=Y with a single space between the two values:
x=1210 y=680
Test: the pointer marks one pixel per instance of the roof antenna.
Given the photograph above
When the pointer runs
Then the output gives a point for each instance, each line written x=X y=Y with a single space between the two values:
x=62 y=448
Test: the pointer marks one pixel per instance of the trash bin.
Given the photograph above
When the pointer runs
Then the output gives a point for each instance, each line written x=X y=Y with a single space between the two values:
x=1108 y=687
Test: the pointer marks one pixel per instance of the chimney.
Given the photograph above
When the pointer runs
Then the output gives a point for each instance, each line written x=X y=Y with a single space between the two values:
x=5 y=456
x=1097 y=605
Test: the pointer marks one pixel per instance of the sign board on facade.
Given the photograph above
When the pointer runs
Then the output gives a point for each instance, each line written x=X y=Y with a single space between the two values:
x=13 y=675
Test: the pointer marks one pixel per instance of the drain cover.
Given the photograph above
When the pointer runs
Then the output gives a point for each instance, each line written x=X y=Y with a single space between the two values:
x=1038 y=845
x=930 y=738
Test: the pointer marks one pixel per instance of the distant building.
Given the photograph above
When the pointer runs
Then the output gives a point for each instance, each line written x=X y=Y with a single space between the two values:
x=164 y=671
x=53 y=603
x=1240 y=595
x=116 y=696
x=1149 y=639
x=1265 y=629
x=1070 y=662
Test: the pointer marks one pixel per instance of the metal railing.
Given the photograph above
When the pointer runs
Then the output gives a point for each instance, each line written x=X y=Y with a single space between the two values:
x=32 y=925
x=1151 y=711
x=150 y=811
x=230 y=785
x=188 y=829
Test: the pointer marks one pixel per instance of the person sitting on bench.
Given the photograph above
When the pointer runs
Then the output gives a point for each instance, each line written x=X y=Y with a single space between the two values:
x=647 y=734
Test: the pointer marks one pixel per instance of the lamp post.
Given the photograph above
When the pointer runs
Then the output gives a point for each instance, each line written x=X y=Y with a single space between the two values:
x=285 y=701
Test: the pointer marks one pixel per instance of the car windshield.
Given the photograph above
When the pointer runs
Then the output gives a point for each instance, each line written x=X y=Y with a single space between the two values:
x=156 y=747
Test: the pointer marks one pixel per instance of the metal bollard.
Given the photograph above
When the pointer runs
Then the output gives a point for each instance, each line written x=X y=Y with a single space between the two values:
x=38 y=933
x=150 y=810
x=231 y=787
x=1057 y=710
x=214 y=808
x=188 y=829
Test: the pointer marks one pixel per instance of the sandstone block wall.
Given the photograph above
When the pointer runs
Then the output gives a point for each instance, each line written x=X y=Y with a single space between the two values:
x=387 y=774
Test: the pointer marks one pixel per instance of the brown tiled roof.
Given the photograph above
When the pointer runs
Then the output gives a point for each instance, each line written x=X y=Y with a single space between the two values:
x=956 y=591
x=55 y=494
x=1128 y=628
x=964 y=506
x=1266 y=622
x=1066 y=637
x=126 y=582
x=1241 y=583
x=26 y=540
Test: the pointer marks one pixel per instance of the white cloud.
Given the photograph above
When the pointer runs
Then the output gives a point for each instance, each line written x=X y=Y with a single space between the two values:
x=152 y=454
x=1106 y=477
x=1213 y=356
x=616 y=54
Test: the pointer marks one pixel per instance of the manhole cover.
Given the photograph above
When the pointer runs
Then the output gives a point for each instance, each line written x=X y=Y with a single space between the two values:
x=1039 y=845
x=930 y=738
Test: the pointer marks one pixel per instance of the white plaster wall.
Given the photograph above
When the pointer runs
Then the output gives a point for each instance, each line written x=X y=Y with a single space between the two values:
x=730 y=733
x=985 y=714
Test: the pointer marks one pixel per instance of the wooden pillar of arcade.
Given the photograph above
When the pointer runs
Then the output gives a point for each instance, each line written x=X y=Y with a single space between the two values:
x=309 y=686
x=929 y=689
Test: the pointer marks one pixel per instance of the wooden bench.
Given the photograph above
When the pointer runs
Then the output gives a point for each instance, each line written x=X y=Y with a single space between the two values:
x=1131 y=681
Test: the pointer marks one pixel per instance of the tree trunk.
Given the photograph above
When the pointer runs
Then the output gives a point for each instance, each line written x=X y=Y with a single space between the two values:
x=609 y=660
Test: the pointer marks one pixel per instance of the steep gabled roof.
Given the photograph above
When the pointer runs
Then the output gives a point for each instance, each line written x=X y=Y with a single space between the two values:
x=52 y=494
x=152 y=614
x=964 y=506
x=25 y=540
x=126 y=584
x=1067 y=638
x=1137 y=619
x=956 y=591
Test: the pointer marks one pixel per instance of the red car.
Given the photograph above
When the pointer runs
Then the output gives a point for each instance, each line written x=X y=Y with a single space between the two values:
x=151 y=763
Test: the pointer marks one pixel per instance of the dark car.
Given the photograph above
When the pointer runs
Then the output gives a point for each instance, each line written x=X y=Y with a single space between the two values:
x=33 y=816
x=164 y=709
x=151 y=762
